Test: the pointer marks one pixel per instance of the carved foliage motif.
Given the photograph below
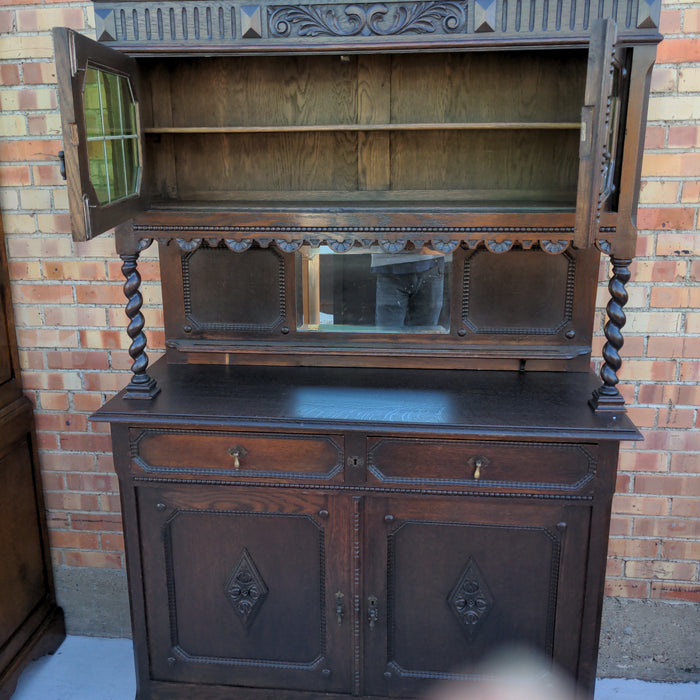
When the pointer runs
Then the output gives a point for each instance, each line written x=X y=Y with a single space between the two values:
x=245 y=589
x=470 y=600
x=367 y=19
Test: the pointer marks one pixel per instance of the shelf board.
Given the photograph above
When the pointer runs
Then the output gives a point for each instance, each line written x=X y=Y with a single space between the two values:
x=306 y=128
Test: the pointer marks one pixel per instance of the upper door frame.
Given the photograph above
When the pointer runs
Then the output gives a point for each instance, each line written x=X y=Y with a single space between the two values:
x=74 y=52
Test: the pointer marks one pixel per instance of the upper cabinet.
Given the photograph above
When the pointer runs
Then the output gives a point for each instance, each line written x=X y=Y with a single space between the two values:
x=335 y=140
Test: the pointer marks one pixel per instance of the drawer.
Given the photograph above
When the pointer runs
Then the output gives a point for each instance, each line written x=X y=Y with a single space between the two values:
x=470 y=463
x=207 y=454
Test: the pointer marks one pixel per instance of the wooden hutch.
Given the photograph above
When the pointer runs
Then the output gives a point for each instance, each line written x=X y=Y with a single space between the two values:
x=374 y=452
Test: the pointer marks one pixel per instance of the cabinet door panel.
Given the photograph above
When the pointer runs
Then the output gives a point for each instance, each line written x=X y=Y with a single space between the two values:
x=99 y=96
x=462 y=580
x=239 y=589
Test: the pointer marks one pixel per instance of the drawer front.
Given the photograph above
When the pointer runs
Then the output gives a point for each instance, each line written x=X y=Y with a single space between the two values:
x=463 y=464
x=211 y=454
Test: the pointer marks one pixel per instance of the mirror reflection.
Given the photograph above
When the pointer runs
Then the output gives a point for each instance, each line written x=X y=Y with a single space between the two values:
x=370 y=290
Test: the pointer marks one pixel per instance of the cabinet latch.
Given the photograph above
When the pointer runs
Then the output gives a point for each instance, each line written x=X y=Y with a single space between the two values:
x=62 y=164
x=372 y=611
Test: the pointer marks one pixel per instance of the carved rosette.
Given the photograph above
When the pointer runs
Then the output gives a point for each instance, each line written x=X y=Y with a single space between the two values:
x=470 y=600
x=367 y=19
x=245 y=589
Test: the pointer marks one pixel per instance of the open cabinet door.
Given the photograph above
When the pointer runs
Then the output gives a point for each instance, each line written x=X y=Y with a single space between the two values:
x=598 y=115
x=98 y=90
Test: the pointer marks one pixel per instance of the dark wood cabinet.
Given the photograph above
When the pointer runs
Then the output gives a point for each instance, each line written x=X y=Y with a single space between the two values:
x=31 y=624
x=374 y=453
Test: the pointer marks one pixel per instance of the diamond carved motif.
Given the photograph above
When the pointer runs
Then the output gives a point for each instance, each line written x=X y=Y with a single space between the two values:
x=245 y=589
x=470 y=600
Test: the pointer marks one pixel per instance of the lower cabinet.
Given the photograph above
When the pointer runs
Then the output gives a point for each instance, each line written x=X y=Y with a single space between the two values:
x=356 y=590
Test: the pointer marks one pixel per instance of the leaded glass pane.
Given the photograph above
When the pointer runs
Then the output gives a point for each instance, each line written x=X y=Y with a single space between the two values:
x=113 y=153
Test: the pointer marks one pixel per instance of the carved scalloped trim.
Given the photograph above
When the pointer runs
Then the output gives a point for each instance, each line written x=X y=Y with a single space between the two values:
x=341 y=239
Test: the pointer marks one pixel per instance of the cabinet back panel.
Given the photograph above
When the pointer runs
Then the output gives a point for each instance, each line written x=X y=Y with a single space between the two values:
x=219 y=165
x=477 y=90
x=488 y=87
x=543 y=162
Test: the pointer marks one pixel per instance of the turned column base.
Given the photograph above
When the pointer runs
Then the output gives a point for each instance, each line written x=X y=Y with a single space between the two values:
x=141 y=387
x=606 y=399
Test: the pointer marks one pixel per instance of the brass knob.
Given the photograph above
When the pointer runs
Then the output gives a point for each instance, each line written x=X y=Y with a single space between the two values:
x=237 y=452
x=478 y=464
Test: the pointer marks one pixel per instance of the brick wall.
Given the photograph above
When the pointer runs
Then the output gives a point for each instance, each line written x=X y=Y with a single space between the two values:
x=70 y=320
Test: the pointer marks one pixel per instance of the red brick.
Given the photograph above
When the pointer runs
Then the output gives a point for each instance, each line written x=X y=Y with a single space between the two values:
x=14 y=175
x=666 y=570
x=47 y=175
x=53 y=400
x=690 y=192
x=110 y=294
x=671 y=485
x=676 y=418
x=27 y=149
x=100 y=560
x=684 y=137
x=74 y=270
x=626 y=589
x=685 y=507
x=684 y=441
x=659 y=393
x=629 y=548
x=620 y=526
x=691 y=20
x=689 y=395
x=87 y=402
x=658 y=270
x=65 y=500
x=77 y=359
x=60 y=421
x=643 y=461
x=680 y=549
x=689 y=371
x=686 y=463
x=655 y=137
x=678 y=51
x=67 y=461
x=9 y=74
x=6 y=21
x=671 y=346
x=614 y=567
x=43 y=294
x=666 y=527
x=670 y=22
x=85 y=442
x=638 y=505
x=74 y=540
x=666 y=218
x=95 y=482
x=100 y=522
x=112 y=542
x=675 y=591
x=39 y=73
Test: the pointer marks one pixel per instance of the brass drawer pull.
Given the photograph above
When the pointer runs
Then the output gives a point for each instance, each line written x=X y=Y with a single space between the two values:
x=237 y=452
x=478 y=464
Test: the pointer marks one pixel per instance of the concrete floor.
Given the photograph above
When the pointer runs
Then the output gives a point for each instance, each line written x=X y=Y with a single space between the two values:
x=94 y=668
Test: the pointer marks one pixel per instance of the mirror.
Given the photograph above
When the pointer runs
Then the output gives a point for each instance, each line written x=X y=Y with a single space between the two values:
x=370 y=291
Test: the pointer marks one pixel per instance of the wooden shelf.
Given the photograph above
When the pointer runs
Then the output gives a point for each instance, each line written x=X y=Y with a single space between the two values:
x=303 y=128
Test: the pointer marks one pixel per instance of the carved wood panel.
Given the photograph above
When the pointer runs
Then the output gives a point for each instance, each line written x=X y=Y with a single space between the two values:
x=241 y=591
x=449 y=581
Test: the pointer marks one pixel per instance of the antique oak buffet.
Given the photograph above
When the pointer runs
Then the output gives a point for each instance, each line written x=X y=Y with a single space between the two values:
x=322 y=499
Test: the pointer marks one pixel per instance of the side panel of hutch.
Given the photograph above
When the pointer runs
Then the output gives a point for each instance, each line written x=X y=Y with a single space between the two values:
x=374 y=454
